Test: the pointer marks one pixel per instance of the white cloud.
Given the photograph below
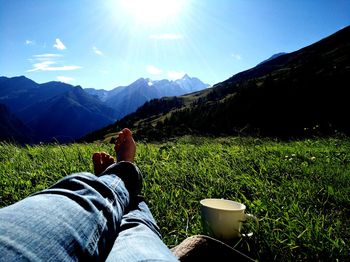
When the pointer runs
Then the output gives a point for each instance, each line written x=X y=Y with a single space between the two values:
x=65 y=79
x=153 y=70
x=48 y=55
x=41 y=66
x=166 y=36
x=49 y=62
x=97 y=51
x=175 y=75
x=30 y=42
x=59 y=45
x=236 y=56
x=48 y=66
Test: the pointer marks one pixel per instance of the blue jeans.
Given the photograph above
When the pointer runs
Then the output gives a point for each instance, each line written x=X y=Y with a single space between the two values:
x=81 y=217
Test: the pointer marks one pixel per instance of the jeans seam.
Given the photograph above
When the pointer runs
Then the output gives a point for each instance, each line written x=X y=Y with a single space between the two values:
x=95 y=236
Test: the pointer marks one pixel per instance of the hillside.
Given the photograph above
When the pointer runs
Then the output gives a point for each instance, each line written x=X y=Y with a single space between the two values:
x=52 y=110
x=67 y=117
x=12 y=129
x=296 y=94
x=21 y=92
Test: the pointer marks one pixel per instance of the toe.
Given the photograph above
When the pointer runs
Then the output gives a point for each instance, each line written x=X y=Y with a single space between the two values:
x=110 y=160
x=104 y=156
x=128 y=135
x=119 y=140
x=107 y=158
x=127 y=132
x=96 y=157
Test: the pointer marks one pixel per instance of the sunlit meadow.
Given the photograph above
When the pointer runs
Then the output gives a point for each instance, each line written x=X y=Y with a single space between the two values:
x=299 y=190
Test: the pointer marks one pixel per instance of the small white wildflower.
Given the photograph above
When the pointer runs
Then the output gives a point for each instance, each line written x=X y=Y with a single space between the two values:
x=313 y=158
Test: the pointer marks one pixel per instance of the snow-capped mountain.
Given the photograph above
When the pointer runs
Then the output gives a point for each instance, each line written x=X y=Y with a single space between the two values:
x=126 y=99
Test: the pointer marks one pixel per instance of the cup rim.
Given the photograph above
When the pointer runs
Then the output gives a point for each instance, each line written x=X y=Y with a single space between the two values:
x=202 y=202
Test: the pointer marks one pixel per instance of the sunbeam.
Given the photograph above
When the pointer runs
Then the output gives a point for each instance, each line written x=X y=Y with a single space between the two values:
x=152 y=11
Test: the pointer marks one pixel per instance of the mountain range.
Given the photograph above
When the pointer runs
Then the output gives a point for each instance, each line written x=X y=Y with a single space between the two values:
x=32 y=112
x=52 y=110
x=127 y=99
x=295 y=94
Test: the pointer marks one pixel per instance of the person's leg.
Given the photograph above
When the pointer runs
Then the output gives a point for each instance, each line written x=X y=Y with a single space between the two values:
x=139 y=238
x=78 y=218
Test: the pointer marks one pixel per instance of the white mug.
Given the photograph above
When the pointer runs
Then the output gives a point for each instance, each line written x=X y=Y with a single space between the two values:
x=223 y=218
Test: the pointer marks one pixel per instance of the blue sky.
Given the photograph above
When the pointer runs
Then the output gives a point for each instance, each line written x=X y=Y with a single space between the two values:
x=105 y=44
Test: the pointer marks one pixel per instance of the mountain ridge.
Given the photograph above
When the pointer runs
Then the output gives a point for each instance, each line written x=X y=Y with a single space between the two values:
x=40 y=107
x=84 y=113
x=126 y=99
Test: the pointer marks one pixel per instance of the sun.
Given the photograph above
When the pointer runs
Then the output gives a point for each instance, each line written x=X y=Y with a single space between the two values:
x=152 y=11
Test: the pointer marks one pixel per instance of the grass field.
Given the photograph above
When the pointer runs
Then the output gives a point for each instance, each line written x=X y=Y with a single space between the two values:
x=299 y=190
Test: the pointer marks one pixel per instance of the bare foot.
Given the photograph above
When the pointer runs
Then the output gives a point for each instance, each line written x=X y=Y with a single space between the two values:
x=125 y=146
x=101 y=161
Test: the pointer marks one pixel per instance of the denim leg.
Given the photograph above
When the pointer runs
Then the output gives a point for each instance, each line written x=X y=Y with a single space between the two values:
x=139 y=238
x=78 y=218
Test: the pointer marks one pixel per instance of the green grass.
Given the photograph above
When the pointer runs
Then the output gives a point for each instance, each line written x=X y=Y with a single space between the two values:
x=299 y=190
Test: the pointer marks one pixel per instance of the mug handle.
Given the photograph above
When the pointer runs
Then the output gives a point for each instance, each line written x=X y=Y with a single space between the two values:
x=250 y=216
